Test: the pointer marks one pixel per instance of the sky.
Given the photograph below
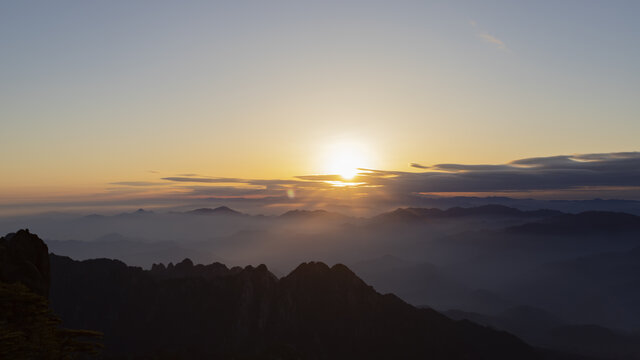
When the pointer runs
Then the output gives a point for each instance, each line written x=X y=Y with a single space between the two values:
x=111 y=102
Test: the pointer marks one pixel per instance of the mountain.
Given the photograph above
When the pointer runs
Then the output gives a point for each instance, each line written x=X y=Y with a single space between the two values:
x=421 y=283
x=491 y=210
x=594 y=340
x=425 y=284
x=312 y=214
x=315 y=312
x=133 y=251
x=601 y=289
x=497 y=210
x=137 y=213
x=567 y=206
x=530 y=323
x=24 y=258
x=221 y=210
x=28 y=327
x=541 y=328
x=194 y=311
x=589 y=222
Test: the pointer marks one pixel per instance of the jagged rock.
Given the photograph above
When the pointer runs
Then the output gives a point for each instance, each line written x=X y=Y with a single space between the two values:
x=24 y=258
x=157 y=267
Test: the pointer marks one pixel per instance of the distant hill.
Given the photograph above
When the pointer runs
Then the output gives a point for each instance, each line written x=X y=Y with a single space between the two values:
x=568 y=206
x=601 y=288
x=139 y=212
x=543 y=329
x=424 y=214
x=589 y=222
x=138 y=252
x=221 y=210
x=312 y=215
x=425 y=284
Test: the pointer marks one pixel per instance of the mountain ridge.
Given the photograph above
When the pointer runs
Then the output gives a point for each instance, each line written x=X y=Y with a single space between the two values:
x=316 y=312
x=220 y=210
x=587 y=222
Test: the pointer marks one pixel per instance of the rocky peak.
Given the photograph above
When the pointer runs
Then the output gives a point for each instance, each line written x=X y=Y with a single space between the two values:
x=184 y=265
x=24 y=258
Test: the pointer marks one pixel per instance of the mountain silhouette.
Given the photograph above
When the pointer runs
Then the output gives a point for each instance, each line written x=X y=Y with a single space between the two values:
x=312 y=214
x=134 y=214
x=212 y=311
x=221 y=210
x=425 y=214
x=28 y=327
x=588 y=222
x=541 y=328
x=24 y=258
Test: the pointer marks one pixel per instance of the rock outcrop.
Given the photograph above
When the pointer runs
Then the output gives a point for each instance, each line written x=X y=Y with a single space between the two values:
x=24 y=258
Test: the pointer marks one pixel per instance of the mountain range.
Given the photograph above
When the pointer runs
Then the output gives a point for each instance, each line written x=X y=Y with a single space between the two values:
x=197 y=311
x=580 y=268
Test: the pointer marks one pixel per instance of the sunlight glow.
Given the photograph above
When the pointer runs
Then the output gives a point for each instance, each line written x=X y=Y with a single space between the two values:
x=344 y=158
x=344 y=183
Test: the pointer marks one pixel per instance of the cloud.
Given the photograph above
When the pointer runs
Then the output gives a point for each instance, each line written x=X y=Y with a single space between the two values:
x=321 y=177
x=137 y=183
x=201 y=179
x=563 y=172
x=460 y=167
x=488 y=38
x=585 y=176
x=228 y=192
x=589 y=174
x=269 y=183
x=418 y=166
x=493 y=40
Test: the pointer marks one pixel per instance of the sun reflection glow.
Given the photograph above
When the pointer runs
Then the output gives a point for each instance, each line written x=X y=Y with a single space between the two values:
x=344 y=183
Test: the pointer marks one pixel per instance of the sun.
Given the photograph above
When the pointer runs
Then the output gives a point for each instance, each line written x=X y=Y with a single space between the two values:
x=346 y=165
x=345 y=158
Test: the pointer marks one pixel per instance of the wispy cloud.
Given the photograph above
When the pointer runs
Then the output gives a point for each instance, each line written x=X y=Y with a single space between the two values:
x=203 y=179
x=418 y=166
x=488 y=38
x=493 y=40
x=137 y=183
x=553 y=173
x=564 y=172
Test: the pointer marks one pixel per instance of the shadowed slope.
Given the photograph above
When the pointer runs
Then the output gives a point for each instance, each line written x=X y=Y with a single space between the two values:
x=316 y=312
